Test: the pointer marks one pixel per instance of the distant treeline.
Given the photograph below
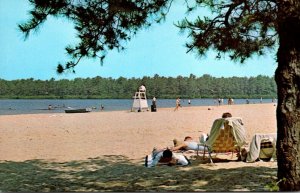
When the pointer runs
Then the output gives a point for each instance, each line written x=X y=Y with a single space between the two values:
x=205 y=86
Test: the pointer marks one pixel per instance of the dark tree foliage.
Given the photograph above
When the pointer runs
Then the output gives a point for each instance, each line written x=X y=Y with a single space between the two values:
x=101 y=25
x=240 y=28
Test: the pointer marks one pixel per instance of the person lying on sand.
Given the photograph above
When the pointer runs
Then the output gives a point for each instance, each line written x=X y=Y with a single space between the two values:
x=165 y=157
x=189 y=144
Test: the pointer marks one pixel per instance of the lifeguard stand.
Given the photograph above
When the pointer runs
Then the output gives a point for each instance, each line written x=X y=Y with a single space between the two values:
x=140 y=101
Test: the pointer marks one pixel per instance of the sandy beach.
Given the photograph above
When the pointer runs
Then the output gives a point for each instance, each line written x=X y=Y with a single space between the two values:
x=104 y=151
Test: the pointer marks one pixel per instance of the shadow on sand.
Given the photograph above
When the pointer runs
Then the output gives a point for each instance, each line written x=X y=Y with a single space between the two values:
x=118 y=173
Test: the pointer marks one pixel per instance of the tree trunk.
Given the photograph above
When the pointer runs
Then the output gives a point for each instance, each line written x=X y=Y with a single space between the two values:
x=287 y=78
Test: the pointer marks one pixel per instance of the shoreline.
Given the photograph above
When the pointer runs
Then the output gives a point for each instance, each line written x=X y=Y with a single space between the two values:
x=50 y=112
x=15 y=107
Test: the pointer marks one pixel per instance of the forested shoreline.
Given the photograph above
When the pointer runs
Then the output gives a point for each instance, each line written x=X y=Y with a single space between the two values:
x=98 y=87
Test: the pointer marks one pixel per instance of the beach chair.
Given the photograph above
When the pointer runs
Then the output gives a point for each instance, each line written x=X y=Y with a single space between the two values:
x=262 y=147
x=267 y=150
x=226 y=135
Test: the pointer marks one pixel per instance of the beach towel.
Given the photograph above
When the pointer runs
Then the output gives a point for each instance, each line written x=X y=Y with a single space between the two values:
x=262 y=146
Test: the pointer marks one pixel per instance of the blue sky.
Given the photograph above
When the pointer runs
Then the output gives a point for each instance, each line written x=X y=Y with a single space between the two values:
x=157 y=50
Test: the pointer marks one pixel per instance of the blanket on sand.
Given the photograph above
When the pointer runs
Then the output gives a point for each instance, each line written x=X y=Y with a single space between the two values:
x=255 y=147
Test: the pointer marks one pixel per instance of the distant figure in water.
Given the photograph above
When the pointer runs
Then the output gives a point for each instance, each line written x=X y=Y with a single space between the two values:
x=102 y=107
x=49 y=107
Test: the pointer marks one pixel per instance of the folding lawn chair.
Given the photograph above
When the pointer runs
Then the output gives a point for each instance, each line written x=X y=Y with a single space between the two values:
x=226 y=135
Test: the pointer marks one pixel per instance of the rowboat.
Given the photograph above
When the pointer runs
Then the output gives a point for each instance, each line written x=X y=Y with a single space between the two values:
x=72 y=110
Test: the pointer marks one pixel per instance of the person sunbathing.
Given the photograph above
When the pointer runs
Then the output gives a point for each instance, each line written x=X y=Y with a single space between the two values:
x=188 y=144
x=165 y=157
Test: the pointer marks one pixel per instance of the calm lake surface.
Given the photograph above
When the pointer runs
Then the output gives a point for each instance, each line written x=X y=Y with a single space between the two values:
x=35 y=106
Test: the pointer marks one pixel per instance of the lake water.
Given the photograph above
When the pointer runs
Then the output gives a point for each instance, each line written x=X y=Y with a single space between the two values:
x=33 y=106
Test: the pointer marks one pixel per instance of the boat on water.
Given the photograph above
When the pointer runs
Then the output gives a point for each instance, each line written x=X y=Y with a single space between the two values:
x=73 y=110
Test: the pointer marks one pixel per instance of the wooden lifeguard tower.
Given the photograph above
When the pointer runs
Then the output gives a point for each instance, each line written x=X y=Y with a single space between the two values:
x=140 y=100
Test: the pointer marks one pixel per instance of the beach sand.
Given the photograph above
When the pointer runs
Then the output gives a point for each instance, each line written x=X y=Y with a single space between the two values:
x=104 y=151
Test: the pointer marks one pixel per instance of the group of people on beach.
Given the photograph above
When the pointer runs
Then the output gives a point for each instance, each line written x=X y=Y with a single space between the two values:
x=220 y=101
x=170 y=156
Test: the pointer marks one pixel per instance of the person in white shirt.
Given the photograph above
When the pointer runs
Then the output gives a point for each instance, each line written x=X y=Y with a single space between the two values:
x=154 y=101
x=165 y=157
